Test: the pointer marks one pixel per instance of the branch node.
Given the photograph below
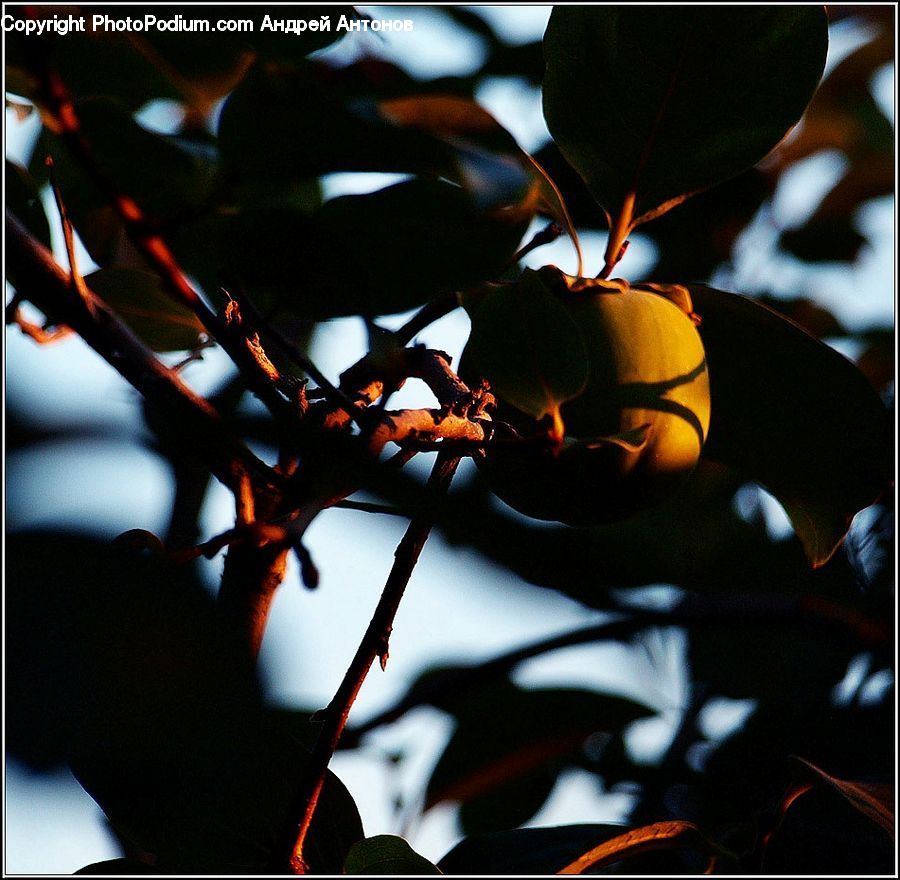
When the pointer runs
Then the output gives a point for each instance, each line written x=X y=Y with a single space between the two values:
x=309 y=573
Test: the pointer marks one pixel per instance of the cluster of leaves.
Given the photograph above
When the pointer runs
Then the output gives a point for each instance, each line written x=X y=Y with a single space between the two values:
x=638 y=128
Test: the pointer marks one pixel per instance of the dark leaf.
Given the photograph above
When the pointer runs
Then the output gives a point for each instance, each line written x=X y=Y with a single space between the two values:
x=794 y=415
x=795 y=714
x=386 y=854
x=745 y=662
x=375 y=254
x=286 y=125
x=873 y=800
x=526 y=850
x=141 y=300
x=585 y=212
x=822 y=834
x=656 y=103
x=165 y=177
x=510 y=803
x=449 y=116
x=24 y=200
x=688 y=540
x=510 y=745
x=119 y=867
x=116 y=68
x=490 y=164
x=824 y=240
x=843 y=113
x=526 y=340
x=570 y=849
x=482 y=155
x=437 y=135
x=123 y=667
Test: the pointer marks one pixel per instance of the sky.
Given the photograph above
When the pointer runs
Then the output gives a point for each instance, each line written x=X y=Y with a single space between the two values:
x=438 y=620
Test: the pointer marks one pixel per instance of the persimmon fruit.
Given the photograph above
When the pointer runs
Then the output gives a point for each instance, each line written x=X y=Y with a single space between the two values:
x=634 y=432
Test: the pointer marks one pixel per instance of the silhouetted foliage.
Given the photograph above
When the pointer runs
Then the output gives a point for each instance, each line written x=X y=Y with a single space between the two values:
x=642 y=418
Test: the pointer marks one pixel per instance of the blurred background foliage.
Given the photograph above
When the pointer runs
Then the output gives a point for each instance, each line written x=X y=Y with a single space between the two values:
x=227 y=144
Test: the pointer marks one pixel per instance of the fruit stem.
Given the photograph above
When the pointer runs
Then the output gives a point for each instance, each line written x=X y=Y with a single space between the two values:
x=616 y=244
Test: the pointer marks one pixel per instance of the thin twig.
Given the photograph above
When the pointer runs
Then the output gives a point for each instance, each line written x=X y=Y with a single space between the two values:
x=41 y=335
x=370 y=507
x=447 y=302
x=41 y=280
x=374 y=644
x=152 y=246
x=293 y=352
x=428 y=314
x=549 y=233
x=68 y=233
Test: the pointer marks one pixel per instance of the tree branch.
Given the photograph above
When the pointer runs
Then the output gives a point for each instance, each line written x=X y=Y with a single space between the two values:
x=180 y=416
x=428 y=314
x=242 y=347
x=762 y=610
x=40 y=280
x=374 y=644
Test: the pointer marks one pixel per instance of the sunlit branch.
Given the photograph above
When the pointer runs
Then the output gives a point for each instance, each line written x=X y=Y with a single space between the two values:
x=40 y=280
x=374 y=644
x=248 y=356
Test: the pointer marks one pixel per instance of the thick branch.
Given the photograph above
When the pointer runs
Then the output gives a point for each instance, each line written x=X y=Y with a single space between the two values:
x=424 y=425
x=374 y=644
x=249 y=581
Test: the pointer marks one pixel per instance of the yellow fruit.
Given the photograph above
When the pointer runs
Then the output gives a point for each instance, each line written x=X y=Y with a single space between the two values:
x=636 y=429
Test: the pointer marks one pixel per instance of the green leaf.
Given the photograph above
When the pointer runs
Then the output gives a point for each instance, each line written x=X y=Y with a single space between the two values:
x=527 y=344
x=653 y=103
x=374 y=254
x=386 y=854
x=526 y=850
x=24 y=200
x=141 y=300
x=794 y=415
